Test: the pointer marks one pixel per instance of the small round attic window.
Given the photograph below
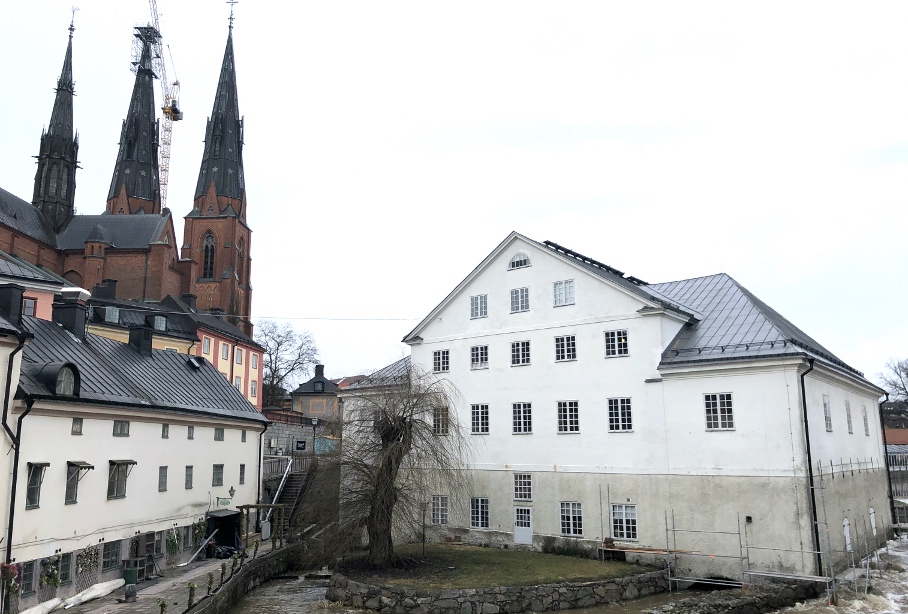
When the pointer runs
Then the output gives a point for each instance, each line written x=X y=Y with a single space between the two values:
x=66 y=381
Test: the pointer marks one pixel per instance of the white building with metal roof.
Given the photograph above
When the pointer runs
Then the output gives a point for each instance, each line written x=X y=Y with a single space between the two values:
x=687 y=417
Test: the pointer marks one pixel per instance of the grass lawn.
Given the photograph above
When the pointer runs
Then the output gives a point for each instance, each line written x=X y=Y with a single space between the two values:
x=458 y=566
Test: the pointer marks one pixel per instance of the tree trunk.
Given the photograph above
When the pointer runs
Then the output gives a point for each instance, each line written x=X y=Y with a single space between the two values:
x=395 y=445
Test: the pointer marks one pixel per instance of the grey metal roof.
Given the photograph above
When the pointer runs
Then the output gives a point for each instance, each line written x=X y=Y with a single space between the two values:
x=38 y=270
x=206 y=320
x=116 y=373
x=26 y=218
x=735 y=324
x=133 y=313
x=122 y=231
x=12 y=268
x=384 y=376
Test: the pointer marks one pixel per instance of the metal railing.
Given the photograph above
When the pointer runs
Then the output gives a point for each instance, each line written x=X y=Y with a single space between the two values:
x=278 y=465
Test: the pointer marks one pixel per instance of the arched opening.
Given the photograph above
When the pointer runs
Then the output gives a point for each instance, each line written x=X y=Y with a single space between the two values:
x=52 y=186
x=63 y=184
x=240 y=260
x=208 y=256
x=92 y=250
x=73 y=277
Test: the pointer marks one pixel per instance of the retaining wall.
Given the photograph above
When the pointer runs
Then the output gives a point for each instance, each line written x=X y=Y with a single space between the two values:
x=501 y=599
x=768 y=597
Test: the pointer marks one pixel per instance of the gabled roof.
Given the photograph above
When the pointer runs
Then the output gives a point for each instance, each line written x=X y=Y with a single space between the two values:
x=120 y=231
x=385 y=376
x=11 y=268
x=25 y=218
x=116 y=373
x=206 y=320
x=133 y=313
x=735 y=324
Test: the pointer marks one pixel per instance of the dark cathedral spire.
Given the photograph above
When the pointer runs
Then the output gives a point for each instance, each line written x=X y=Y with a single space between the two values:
x=222 y=160
x=55 y=180
x=134 y=187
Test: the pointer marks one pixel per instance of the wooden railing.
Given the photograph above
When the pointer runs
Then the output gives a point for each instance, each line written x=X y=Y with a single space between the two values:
x=277 y=465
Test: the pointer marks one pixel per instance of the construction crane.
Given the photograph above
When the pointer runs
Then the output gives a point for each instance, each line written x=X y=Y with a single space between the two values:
x=170 y=93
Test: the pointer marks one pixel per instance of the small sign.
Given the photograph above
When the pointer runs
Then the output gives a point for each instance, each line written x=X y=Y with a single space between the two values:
x=223 y=501
x=300 y=444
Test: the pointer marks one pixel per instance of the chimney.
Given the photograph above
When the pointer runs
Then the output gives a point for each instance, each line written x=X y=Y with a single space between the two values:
x=140 y=339
x=71 y=310
x=320 y=371
x=106 y=289
x=11 y=303
x=217 y=312
x=189 y=299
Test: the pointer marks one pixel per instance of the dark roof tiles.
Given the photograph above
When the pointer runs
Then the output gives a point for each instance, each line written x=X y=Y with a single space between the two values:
x=121 y=231
x=26 y=218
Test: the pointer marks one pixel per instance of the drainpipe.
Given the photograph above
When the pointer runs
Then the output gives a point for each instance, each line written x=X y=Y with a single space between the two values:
x=12 y=499
x=813 y=493
x=886 y=458
x=258 y=487
x=9 y=384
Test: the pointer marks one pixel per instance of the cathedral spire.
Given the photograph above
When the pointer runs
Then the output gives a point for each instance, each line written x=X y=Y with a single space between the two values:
x=134 y=187
x=222 y=160
x=55 y=180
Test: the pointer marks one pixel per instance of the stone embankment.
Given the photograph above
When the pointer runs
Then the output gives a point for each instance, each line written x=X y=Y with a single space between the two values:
x=749 y=600
x=496 y=600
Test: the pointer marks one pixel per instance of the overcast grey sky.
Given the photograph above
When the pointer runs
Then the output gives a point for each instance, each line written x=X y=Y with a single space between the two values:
x=390 y=146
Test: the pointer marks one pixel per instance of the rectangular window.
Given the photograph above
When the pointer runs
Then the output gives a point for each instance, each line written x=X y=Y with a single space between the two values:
x=866 y=422
x=564 y=292
x=72 y=484
x=238 y=383
x=479 y=513
x=520 y=353
x=255 y=361
x=112 y=315
x=217 y=475
x=624 y=521
x=162 y=479
x=186 y=537
x=719 y=414
x=523 y=417
x=243 y=436
x=571 y=518
x=523 y=486
x=253 y=388
x=33 y=488
x=206 y=345
x=479 y=306
x=165 y=431
x=116 y=479
x=218 y=434
x=159 y=543
x=188 y=484
x=520 y=300
x=479 y=357
x=619 y=416
x=121 y=428
x=190 y=432
x=440 y=421
x=439 y=509
x=566 y=348
x=28 y=306
x=479 y=419
x=616 y=343
x=159 y=323
x=239 y=356
x=568 y=417
x=66 y=568
x=110 y=555
x=77 y=426
x=225 y=351
x=242 y=473
x=440 y=362
x=848 y=417
x=27 y=583
x=827 y=413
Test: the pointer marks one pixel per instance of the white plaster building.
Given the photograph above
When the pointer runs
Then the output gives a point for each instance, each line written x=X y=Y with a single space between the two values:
x=600 y=405
x=112 y=446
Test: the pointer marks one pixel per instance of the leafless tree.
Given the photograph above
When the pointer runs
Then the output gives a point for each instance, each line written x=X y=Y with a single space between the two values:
x=288 y=357
x=895 y=381
x=402 y=443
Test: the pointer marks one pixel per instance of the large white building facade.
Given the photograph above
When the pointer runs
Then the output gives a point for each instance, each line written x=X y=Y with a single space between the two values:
x=112 y=452
x=605 y=408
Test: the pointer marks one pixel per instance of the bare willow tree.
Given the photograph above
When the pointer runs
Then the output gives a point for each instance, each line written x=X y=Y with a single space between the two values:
x=402 y=443
x=895 y=381
x=288 y=357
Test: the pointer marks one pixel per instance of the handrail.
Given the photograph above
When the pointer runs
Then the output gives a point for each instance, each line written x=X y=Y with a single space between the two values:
x=280 y=488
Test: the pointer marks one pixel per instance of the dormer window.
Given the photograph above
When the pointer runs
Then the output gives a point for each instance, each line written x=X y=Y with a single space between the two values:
x=319 y=386
x=160 y=323
x=519 y=261
x=112 y=315
x=66 y=381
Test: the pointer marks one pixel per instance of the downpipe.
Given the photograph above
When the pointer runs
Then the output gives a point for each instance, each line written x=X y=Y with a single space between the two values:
x=813 y=492
x=886 y=458
x=12 y=499
x=9 y=384
x=258 y=488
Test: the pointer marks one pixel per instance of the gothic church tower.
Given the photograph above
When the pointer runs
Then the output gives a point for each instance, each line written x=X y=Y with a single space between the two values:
x=216 y=237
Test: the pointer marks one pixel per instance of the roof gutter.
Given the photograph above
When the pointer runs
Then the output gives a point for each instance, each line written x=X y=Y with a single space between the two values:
x=810 y=483
x=12 y=497
x=886 y=459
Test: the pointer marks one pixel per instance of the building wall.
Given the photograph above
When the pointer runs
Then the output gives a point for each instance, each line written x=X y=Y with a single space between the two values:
x=229 y=367
x=158 y=342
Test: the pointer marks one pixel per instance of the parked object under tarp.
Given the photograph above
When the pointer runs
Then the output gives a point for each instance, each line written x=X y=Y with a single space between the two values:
x=228 y=540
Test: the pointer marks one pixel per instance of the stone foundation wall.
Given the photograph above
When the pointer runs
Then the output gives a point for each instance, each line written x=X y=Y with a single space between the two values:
x=767 y=597
x=500 y=599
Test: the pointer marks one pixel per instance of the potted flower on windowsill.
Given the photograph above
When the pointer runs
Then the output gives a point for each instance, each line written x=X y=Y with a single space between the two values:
x=50 y=571
x=9 y=575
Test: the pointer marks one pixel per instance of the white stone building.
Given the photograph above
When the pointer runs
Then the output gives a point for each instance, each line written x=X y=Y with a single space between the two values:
x=602 y=407
x=110 y=448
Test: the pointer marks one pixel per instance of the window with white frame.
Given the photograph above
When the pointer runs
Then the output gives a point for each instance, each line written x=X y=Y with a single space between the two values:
x=565 y=348
x=571 y=518
x=520 y=353
x=479 y=512
x=225 y=351
x=440 y=361
x=719 y=415
x=28 y=306
x=564 y=292
x=615 y=343
x=619 y=415
x=568 y=417
x=440 y=421
x=239 y=356
x=479 y=357
x=112 y=315
x=439 y=509
x=866 y=422
x=162 y=479
x=848 y=417
x=238 y=383
x=523 y=418
x=479 y=419
x=110 y=555
x=624 y=521
x=518 y=261
x=253 y=388
x=255 y=360
x=206 y=345
x=479 y=306
x=523 y=486
x=217 y=475
x=520 y=300
x=827 y=413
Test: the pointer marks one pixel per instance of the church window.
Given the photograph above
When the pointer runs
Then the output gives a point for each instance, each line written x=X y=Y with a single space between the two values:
x=44 y=180
x=92 y=250
x=240 y=262
x=208 y=256
x=52 y=187
x=63 y=182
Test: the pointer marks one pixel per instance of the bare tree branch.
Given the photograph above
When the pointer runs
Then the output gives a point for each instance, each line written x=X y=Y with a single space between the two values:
x=288 y=358
x=894 y=380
